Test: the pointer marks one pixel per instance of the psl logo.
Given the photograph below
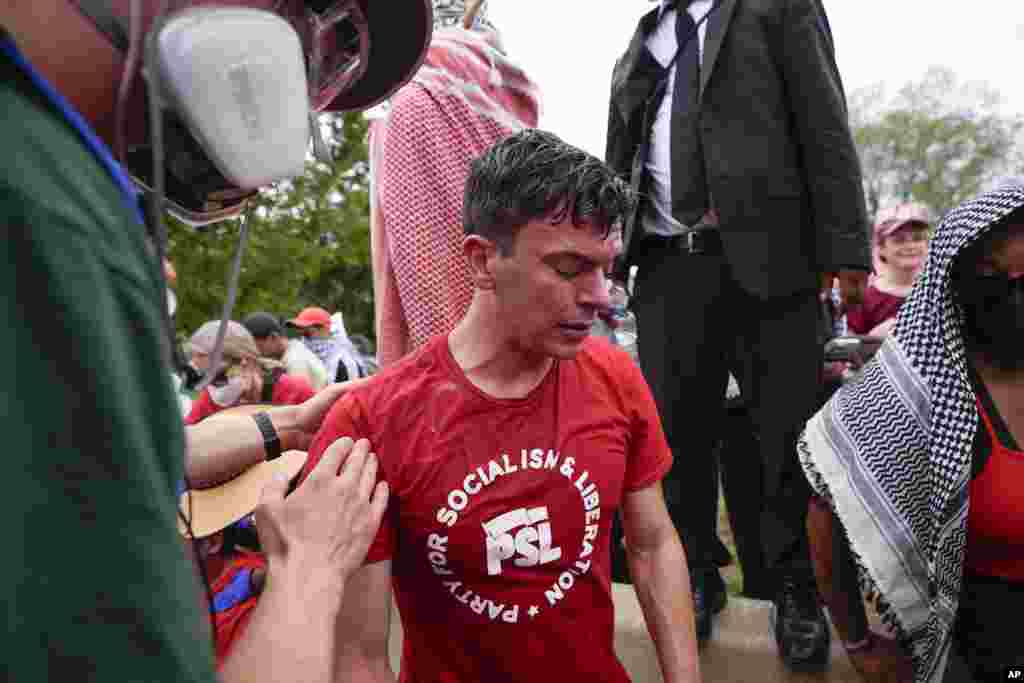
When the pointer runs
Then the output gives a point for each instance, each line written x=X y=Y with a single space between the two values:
x=531 y=544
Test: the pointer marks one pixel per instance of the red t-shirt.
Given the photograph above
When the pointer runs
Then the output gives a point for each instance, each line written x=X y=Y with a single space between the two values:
x=288 y=390
x=500 y=511
x=878 y=306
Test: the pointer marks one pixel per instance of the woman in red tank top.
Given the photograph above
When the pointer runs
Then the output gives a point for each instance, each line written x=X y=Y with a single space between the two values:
x=990 y=285
x=920 y=462
x=995 y=532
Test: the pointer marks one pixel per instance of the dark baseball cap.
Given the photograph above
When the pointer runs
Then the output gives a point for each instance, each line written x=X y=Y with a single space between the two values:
x=262 y=324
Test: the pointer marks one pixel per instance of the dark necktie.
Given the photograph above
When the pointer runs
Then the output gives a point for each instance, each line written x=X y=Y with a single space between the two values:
x=689 y=185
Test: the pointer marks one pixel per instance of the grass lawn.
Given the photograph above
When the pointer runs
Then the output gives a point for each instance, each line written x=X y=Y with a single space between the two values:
x=732 y=574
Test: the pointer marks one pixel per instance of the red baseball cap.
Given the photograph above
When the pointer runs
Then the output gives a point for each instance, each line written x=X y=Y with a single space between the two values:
x=310 y=317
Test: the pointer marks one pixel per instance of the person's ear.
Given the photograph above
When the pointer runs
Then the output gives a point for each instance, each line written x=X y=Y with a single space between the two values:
x=481 y=254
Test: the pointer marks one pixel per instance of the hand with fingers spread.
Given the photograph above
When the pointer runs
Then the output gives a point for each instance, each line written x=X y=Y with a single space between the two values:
x=314 y=539
x=328 y=523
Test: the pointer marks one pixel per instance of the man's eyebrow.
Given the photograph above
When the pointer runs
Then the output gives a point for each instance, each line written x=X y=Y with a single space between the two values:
x=582 y=263
x=569 y=253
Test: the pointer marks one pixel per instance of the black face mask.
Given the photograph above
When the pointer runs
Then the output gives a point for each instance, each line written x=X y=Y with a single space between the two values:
x=994 y=318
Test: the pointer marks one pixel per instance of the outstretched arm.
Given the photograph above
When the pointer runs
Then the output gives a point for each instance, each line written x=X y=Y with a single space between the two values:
x=221 y=447
x=661 y=578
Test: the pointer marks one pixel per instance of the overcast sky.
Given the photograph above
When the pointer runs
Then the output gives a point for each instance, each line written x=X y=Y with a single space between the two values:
x=570 y=46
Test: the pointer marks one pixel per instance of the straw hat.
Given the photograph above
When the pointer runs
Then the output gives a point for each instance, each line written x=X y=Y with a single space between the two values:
x=216 y=508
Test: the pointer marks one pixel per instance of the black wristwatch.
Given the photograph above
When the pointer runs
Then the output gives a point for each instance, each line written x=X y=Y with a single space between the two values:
x=271 y=441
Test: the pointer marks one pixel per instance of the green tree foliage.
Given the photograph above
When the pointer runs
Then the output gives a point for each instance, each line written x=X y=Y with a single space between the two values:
x=939 y=141
x=309 y=244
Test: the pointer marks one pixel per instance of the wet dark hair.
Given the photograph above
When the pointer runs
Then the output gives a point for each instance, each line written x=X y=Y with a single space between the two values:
x=535 y=175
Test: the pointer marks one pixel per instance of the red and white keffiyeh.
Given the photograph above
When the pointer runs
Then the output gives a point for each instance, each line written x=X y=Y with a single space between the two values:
x=466 y=97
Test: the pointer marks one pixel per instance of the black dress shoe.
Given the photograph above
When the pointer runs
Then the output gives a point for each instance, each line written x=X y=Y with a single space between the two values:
x=709 y=598
x=801 y=631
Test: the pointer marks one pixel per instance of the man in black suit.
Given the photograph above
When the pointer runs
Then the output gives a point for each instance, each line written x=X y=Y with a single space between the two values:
x=729 y=116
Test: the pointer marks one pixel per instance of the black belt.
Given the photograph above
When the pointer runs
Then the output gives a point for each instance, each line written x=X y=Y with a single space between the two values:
x=701 y=241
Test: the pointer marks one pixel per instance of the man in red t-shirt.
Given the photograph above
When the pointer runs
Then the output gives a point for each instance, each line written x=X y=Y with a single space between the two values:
x=508 y=446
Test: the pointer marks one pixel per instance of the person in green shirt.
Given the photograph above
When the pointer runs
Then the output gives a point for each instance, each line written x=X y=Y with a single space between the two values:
x=95 y=584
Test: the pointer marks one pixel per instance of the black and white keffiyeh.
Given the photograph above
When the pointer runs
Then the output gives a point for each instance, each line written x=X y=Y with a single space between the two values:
x=891 y=451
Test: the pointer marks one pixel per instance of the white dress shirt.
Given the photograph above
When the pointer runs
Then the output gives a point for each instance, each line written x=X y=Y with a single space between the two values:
x=657 y=217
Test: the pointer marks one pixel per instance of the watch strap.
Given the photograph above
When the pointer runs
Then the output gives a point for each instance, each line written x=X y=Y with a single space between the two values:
x=271 y=440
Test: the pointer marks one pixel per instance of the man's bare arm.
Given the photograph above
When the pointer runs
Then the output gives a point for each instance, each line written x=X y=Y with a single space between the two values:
x=220 y=447
x=363 y=626
x=305 y=628
x=315 y=539
x=291 y=634
x=661 y=579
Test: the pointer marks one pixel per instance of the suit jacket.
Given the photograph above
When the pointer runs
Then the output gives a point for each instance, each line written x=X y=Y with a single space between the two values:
x=781 y=163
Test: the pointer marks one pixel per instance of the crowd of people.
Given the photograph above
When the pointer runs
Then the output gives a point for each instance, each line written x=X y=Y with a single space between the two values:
x=260 y=363
x=505 y=465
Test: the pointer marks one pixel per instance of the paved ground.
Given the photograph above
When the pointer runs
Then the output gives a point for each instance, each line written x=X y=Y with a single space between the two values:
x=741 y=648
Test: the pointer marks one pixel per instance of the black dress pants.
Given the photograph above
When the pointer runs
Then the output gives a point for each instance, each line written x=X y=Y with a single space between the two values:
x=695 y=325
x=741 y=486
